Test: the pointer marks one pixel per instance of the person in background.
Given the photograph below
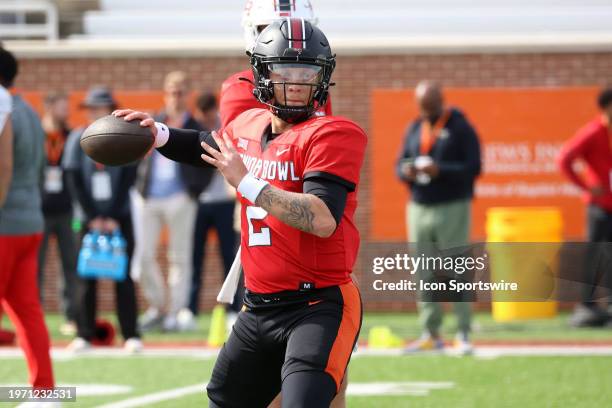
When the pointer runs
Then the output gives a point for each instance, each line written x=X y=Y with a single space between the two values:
x=166 y=194
x=21 y=223
x=57 y=206
x=439 y=162
x=215 y=210
x=103 y=194
x=591 y=145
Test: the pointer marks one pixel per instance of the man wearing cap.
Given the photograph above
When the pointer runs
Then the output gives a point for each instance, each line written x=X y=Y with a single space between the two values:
x=103 y=193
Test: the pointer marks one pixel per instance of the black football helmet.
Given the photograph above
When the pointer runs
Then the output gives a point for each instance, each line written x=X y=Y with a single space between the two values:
x=292 y=42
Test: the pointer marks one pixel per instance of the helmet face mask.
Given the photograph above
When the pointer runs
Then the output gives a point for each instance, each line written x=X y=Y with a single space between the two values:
x=292 y=67
x=294 y=85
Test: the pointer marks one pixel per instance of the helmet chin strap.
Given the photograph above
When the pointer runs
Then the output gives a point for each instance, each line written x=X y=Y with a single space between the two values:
x=292 y=115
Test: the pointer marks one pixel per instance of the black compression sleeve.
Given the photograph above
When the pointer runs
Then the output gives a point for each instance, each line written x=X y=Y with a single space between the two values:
x=183 y=146
x=333 y=194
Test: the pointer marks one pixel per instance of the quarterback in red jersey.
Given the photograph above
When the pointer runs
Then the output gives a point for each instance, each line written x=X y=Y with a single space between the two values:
x=297 y=175
x=236 y=94
x=326 y=148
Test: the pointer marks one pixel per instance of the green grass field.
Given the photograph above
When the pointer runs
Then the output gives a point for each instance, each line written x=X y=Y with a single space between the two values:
x=432 y=380
x=406 y=325
x=503 y=382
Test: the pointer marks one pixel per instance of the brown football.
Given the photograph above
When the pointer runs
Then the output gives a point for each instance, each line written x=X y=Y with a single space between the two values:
x=113 y=141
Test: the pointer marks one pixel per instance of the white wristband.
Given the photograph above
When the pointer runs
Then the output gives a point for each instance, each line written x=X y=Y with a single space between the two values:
x=163 y=133
x=250 y=187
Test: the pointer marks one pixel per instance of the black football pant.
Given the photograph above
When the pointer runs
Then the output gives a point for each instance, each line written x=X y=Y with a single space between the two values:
x=295 y=343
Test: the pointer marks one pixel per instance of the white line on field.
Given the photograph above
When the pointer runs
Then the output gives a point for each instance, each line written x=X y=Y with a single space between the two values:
x=415 y=389
x=487 y=352
x=148 y=399
x=60 y=354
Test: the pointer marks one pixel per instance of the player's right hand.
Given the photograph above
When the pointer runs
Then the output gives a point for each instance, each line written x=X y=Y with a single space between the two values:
x=146 y=120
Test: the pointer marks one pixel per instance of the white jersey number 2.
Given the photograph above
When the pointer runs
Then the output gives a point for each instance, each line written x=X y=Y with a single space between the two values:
x=261 y=237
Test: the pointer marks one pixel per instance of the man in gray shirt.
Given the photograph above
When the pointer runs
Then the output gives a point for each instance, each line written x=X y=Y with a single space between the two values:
x=21 y=226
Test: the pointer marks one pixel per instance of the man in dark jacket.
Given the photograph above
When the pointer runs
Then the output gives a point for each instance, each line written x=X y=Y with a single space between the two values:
x=439 y=162
x=103 y=194
x=57 y=206
x=167 y=194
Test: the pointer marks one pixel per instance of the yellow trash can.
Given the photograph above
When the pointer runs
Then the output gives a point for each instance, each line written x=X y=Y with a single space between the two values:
x=528 y=225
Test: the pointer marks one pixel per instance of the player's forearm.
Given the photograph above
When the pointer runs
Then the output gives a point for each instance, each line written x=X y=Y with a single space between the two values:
x=183 y=145
x=305 y=212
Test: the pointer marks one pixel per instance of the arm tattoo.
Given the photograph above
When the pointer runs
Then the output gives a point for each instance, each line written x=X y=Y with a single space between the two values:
x=292 y=209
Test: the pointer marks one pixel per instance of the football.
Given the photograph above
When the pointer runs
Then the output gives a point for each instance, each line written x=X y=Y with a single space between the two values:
x=113 y=141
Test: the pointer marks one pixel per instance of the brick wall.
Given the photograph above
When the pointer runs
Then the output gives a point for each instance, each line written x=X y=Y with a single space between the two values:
x=355 y=76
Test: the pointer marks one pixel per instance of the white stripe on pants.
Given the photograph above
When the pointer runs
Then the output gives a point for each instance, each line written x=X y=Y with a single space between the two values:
x=178 y=213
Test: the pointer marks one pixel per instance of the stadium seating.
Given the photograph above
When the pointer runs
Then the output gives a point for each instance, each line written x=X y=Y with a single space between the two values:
x=358 y=19
x=28 y=19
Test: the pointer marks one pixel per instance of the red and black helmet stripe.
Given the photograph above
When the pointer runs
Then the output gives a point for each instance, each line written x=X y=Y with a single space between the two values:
x=297 y=33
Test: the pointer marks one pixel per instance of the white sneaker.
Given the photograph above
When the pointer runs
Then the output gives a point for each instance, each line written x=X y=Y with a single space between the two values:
x=78 y=345
x=186 y=321
x=462 y=345
x=150 y=320
x=133 y=345
x=170 y=324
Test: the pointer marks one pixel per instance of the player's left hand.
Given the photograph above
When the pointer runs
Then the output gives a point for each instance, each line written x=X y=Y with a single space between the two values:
x=228 y=161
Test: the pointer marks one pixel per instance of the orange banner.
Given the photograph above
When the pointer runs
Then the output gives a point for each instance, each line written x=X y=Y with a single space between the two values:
x=521 y=131
x=148 y=101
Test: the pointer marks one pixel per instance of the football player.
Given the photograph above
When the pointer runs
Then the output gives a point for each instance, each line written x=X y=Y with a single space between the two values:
x=236 y=94
x=296 y=174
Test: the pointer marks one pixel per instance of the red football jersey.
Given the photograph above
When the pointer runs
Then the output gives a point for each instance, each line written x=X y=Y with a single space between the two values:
x=237 y=96
x=275 y=256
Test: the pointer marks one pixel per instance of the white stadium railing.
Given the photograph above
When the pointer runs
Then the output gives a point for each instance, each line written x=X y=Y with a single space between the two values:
x=15 y=25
